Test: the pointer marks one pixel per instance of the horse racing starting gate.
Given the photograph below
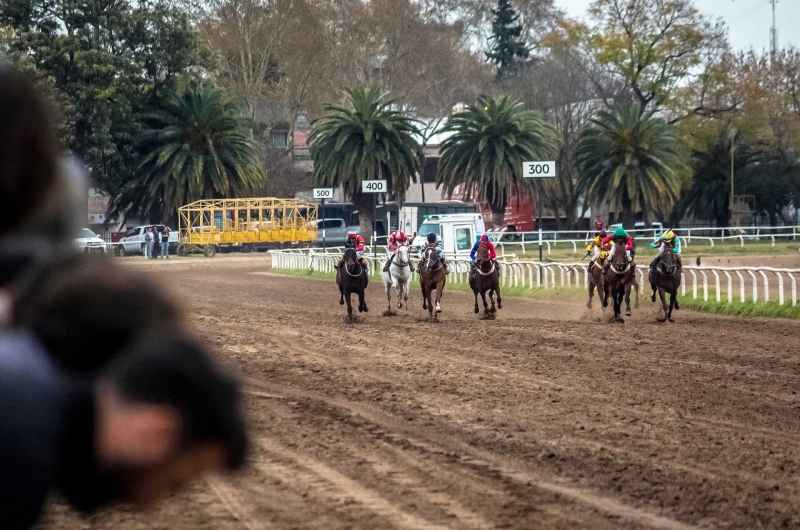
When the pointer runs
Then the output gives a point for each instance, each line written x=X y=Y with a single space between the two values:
x=207 y=225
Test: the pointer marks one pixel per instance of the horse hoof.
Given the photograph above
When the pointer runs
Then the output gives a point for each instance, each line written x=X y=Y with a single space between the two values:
x=588 y=305
x=493 y=310
x=671 y=319
x=438 y=308
x=499 y=305
x=636 y=305
x=341 y=302
x=661 y=319
x=477 y=310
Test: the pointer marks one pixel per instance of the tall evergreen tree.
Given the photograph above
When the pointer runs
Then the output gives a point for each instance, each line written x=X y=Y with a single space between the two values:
x=509 y=48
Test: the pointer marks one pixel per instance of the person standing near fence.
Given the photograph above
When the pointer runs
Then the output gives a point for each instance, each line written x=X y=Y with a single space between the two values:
x=149 y=238
x=165 y=242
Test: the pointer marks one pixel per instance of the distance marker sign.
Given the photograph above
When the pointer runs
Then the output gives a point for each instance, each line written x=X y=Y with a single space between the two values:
x=323 y=193
x=546 y=169
x=373 y=186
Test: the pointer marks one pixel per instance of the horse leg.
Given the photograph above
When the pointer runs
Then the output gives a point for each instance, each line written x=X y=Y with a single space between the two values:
x=475 y=292
x=424 y=298
x=491 y=299
x=362 y=303
x=591 y=294
x=636 y=290
x=406 y=288
x=439 y=289
x=672 y=297
x=483 y=297
x=606 y=292
x=499 y=300
x=341 y=294
x=628 y=300
x=663 y=304
x=388 y=288
x=349 y=306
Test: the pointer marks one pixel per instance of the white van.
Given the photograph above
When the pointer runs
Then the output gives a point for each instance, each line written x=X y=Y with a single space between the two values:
x=458 y=232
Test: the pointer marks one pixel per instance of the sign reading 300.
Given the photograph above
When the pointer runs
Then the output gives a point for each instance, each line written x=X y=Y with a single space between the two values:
x=539 y=169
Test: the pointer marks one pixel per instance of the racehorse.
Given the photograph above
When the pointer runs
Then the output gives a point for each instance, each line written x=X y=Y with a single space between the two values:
x=485 y=277
x=620 y=276
x=666 y=277
x=432 y=276
x=352 y=278
x=597 y=281
x=399 y=277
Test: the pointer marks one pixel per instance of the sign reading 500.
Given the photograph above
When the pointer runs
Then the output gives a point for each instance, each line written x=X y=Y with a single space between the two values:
x=373 y=186
x=539 y=169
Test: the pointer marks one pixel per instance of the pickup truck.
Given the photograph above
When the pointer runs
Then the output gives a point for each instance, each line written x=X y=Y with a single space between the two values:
x=335 y=232
x=134 y=241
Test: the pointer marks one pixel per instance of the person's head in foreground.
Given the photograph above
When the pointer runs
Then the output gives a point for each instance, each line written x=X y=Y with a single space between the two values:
x=156 y=417
x=162 y=415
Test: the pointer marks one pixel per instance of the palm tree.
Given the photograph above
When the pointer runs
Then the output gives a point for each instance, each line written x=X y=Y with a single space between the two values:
x=709 y=196
x=631 y=161
x=369 y=139
x=198 y=146
x=489 y=142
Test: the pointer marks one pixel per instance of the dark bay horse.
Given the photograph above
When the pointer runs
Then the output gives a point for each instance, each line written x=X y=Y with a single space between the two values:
x=352 y=278
x=486 y=277
x=666 y=277
x=619 y=277
x=432 y=277
x=597 y=280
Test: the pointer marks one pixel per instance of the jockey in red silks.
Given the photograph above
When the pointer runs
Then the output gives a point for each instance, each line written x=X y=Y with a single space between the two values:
x=619 y=237
x=354 y=240
x=482 y=242
x=396 y=240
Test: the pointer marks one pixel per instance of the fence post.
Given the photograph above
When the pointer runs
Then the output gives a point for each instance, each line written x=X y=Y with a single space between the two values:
x=716 y=283
x=780 y=287
x=755 y=285
x=766 y=286
x=705 y=286
x=794 y=289
x=741 y=286
x=730 y=287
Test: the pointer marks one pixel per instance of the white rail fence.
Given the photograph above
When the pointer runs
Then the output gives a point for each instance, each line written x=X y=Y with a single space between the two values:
x=689 y=236
x=724 y=284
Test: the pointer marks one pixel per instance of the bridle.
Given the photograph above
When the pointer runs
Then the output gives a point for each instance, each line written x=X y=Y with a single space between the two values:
x=480 y=265
x=429 y=260
x=397 y=256
x=662 y=262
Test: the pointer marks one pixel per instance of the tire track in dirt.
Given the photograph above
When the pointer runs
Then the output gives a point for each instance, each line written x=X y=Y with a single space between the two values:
x=477 y=458
x=230 y=500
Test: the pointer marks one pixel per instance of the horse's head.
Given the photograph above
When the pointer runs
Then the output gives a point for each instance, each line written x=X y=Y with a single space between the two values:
x=431 y=258
x=350 y=257
x=401 y=257
x=668 y=264
x=620 y=261
x=482 y=254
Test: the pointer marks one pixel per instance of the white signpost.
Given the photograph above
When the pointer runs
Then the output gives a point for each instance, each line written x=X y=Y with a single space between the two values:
x=374 y=187
x=538 y=170
x=323 y=193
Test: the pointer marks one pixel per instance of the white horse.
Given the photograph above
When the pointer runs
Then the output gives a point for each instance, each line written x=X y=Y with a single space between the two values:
x=399 y=277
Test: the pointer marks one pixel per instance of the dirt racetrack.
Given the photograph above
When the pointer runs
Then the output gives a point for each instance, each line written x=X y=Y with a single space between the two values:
x=545 y=418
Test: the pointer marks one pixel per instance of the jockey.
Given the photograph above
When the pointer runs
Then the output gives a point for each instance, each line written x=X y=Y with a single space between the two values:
x=668 y=238
x=354 y=240
x=435 y=241
x=396 y=240
x=597 y=247
x=483 y=241
x=620 y=237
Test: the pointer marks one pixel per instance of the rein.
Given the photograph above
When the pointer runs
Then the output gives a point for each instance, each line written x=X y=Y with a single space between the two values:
x=626 y=269
x=485 y=273
x=360 y=270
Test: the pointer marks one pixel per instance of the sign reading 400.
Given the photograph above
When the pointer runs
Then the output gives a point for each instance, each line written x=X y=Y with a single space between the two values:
x=373 y=186
x=539 y=169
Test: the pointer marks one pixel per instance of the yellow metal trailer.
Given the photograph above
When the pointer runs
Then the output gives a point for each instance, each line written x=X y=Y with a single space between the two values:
x=210 y=225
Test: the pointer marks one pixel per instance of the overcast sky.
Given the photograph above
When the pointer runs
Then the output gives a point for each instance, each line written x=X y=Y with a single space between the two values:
x=748 y=21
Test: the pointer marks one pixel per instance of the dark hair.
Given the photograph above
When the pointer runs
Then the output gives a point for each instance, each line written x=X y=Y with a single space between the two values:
x=179 y=372
x=431 y=237
x=85 y=310
x=28 y=149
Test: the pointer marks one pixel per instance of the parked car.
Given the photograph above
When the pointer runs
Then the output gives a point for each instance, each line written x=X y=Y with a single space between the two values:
x=335 y=231
x=134 y=241
x=88 y=241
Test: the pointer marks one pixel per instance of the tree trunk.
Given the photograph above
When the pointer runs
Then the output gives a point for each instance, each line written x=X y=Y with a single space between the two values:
x=498 y=218
x=363 y=201
x=628 y=215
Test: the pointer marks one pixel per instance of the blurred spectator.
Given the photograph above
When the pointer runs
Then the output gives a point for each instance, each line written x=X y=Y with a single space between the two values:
x=150 y=238
x=165 y=242
x=159 y=416
x=84 y=311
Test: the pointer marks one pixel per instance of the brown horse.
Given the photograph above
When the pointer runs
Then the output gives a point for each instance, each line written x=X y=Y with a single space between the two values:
x=597 y=280
x=666 y=277
x=619 y=277
x=432 y=277
x=485 y=277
